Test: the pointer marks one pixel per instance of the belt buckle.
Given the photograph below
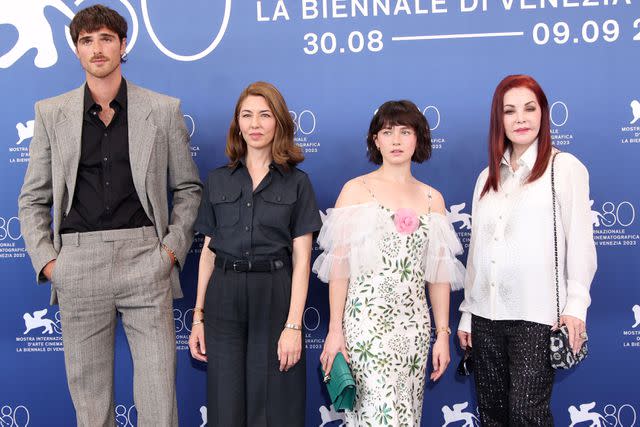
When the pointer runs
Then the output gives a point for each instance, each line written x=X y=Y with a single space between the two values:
x=241 y=266
x=236 y=265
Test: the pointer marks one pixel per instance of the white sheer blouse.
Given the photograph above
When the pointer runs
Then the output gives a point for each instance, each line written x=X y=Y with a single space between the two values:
x=510 y=267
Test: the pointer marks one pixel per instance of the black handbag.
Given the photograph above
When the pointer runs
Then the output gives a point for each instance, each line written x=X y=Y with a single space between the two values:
x=466 y=365
x=561 y=355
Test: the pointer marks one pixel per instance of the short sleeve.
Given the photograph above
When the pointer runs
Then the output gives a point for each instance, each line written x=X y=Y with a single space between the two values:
x=306 y=215
x=206 y=220
x=349 y=242
x=440 y=262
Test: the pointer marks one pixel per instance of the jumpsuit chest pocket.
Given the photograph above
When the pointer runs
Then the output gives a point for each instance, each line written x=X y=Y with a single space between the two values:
x=226 y=206
x=277 y=208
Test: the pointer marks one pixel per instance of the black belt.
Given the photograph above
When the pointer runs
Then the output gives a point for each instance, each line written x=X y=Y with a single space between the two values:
x=246 y=266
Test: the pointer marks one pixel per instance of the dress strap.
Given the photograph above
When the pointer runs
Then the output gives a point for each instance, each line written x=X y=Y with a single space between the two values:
x=373 y=196
x=429 y=198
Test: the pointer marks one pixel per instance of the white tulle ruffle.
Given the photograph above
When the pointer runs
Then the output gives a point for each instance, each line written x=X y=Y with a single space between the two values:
x=350 y=240
x=440 y=262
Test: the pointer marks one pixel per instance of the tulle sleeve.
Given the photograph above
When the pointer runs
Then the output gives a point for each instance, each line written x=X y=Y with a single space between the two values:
x=347 y=242
x=440 y=262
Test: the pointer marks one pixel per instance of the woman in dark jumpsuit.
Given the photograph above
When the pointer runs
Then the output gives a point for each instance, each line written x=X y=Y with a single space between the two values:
x=258 y=215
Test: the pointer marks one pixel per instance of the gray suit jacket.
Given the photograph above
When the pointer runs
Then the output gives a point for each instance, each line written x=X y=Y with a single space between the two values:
x=160 y=162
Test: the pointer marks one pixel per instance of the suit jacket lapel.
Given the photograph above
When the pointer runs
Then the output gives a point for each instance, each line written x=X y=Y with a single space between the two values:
x=68 y=132
x=141 y=138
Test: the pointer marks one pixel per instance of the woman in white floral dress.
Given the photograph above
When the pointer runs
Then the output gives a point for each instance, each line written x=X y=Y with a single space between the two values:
x=386 y=238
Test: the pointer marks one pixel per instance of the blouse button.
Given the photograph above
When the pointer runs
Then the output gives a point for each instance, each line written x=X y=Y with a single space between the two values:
x=224 y=197
x=247 y=228
x=248 y=204
x=278 y=198
x=246 y=253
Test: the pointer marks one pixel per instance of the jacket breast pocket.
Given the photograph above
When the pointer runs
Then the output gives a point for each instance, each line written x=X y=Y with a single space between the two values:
x=226 y=206
x=277 y=208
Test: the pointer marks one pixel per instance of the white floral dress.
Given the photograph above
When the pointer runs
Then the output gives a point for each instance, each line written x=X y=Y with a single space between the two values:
x=386 y=318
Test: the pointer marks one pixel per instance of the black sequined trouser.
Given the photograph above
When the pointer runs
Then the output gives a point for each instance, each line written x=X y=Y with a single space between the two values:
x=513 y=374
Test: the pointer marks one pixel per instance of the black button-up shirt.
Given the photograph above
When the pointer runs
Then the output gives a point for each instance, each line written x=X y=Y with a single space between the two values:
x=248 y=224
x=105 y=197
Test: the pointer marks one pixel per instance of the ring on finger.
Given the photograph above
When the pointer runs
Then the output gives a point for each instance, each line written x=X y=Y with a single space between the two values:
x=583 y=335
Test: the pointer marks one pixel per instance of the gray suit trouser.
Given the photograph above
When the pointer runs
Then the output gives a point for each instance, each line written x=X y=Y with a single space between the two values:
x=97 y=275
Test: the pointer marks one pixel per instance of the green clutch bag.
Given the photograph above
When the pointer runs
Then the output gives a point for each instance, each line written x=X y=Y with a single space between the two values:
x=340 y=384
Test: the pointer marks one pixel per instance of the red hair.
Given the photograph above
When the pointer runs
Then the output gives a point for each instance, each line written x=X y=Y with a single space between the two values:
x=498 y=142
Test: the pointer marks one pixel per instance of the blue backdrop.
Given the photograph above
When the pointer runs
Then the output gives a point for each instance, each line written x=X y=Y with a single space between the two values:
x=336 y=61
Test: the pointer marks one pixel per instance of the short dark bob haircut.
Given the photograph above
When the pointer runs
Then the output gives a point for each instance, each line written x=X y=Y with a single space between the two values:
x=400 y=113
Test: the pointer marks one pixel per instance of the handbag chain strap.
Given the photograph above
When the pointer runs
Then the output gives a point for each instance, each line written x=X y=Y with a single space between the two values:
x=555 y=238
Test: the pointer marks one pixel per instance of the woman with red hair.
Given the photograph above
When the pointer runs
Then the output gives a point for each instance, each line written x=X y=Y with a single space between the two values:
x=510 y=286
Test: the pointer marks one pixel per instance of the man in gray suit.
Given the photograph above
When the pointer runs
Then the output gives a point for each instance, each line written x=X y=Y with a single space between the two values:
x=105 y=156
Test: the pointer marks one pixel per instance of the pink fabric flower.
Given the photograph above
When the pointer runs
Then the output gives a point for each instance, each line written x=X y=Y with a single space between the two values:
x=406 y=221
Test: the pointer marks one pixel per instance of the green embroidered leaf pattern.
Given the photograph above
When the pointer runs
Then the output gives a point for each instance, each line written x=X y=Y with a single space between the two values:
x=387 y=328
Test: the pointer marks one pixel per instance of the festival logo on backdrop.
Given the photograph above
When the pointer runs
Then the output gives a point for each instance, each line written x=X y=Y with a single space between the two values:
x=330 y=417
x=42 y=332
x=635 y=111
x=17 y=416
x=614 y=223
x=11 y=243
x=313 y=338
x=182 y=321
x=457 y=414
x=631 y=128
x=305 y=122
x=561 y=135
x=25 y=131
x=19 y=149
x=432 y=114
x=196 y=247
x=631 y=336
x=190 y=123
x=461 y=222
x=623 y=415
x=35 y=31
x=203 y=416
x=126 y=415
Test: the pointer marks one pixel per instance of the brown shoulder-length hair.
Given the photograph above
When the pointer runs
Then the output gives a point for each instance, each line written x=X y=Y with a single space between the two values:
x=498 y=141
x=400 y=113
x=283 y=150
